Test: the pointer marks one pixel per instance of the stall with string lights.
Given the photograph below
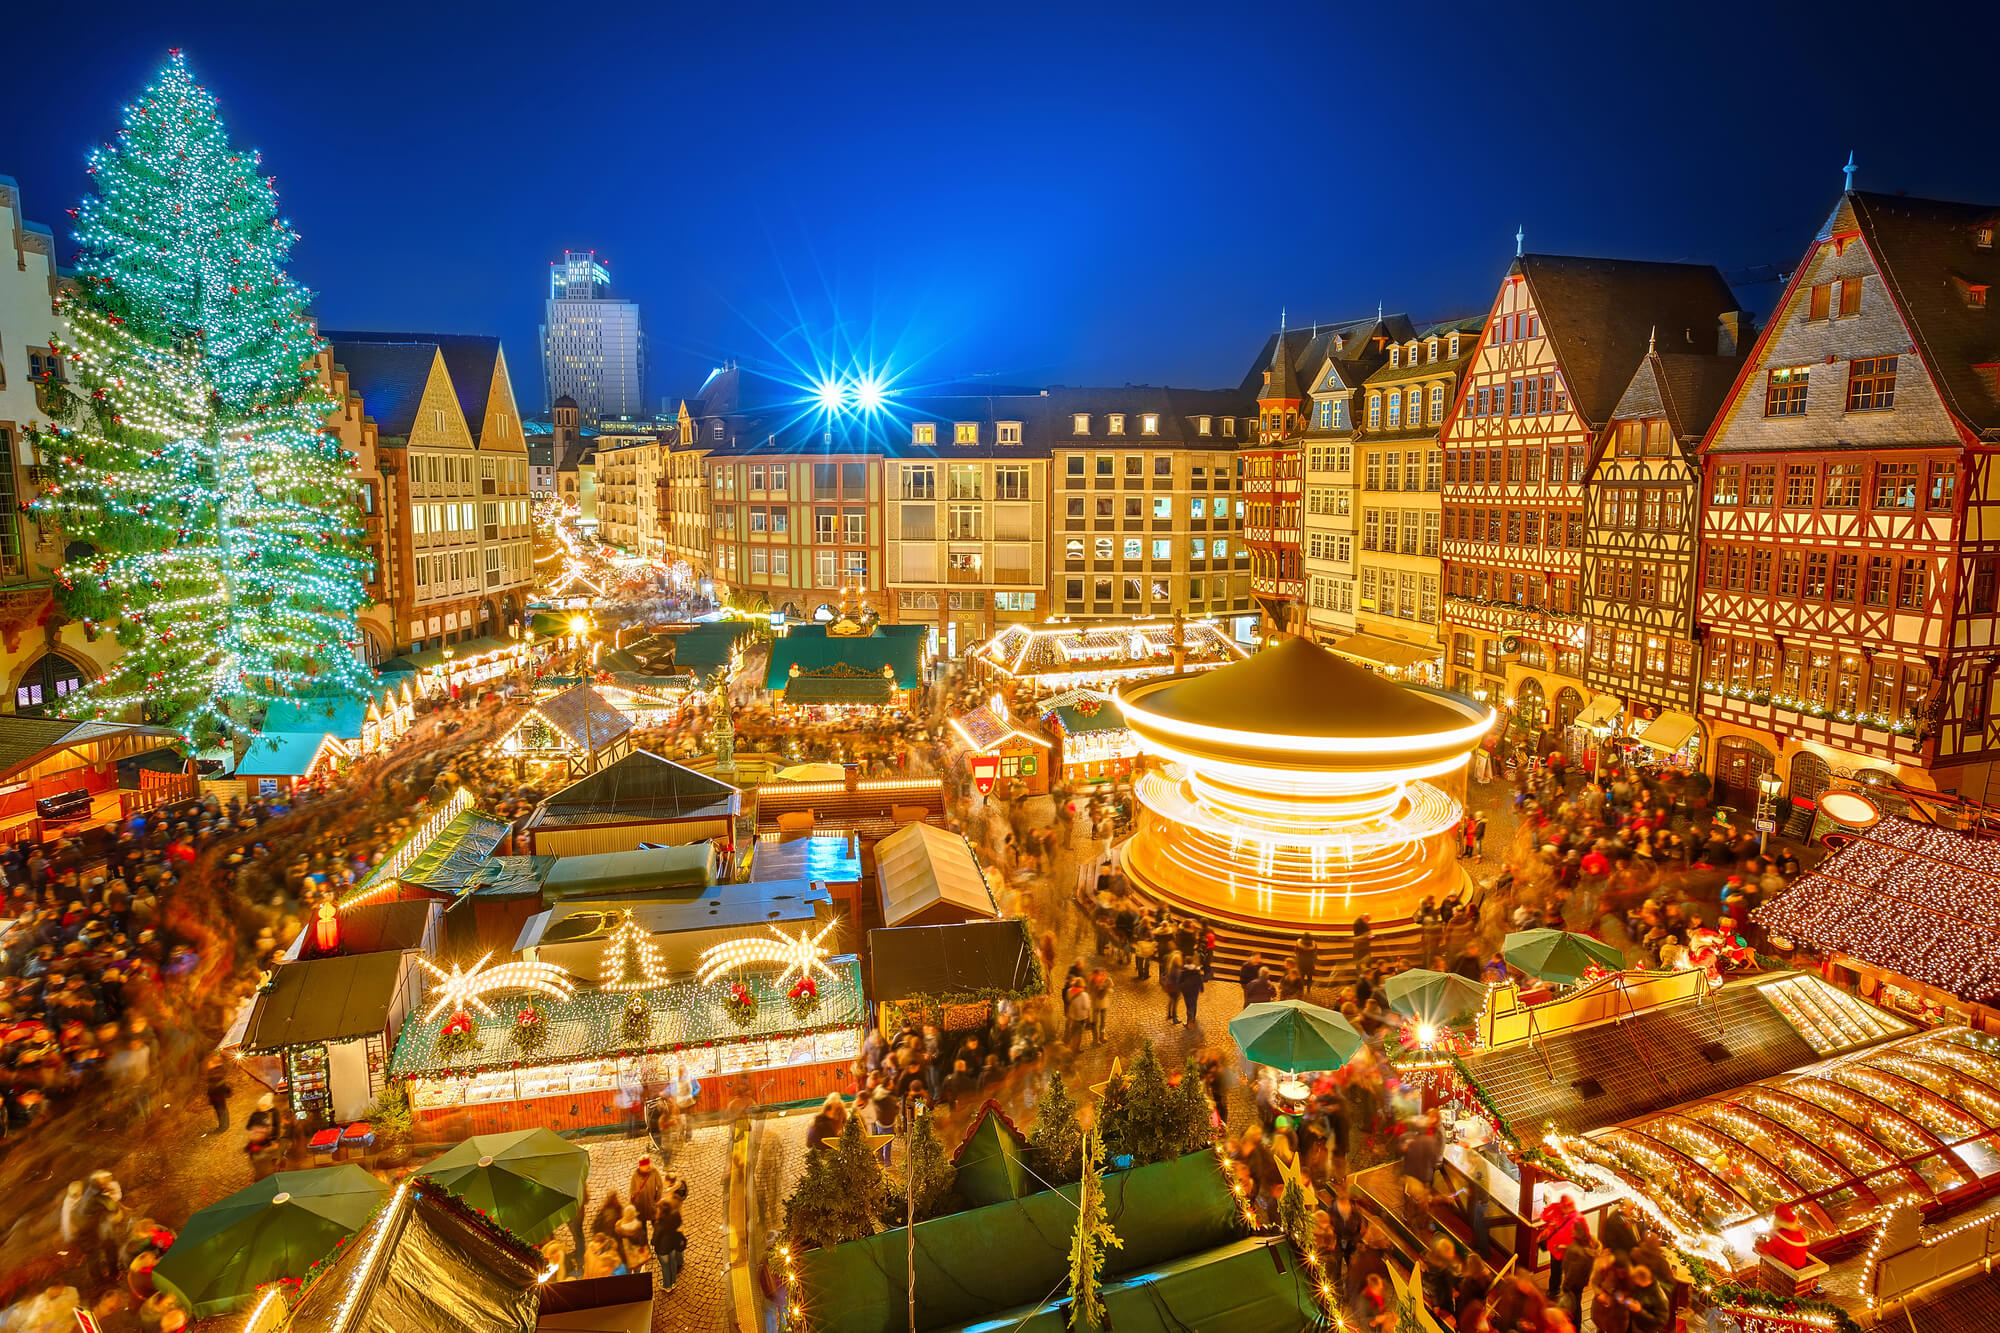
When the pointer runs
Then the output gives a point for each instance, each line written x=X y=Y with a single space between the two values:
x=1093 y=744
x=987 y=747
x=1061 y=656
x=576 y=731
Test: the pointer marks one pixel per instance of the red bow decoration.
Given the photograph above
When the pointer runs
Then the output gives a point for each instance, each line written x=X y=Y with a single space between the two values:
x=805 y=988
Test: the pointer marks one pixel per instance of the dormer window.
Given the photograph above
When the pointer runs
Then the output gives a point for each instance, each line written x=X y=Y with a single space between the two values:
x=965 y=432
x=924 y=432
x=1202 y=425
x=1983 y=237
x=1149 y=424
x=1413 y=354
x=1972 y=293
x=1395 y=356
x=1228 y=427
x=1453 y=345
x=1007 y=432
x=1080 y=424
x=1117 y=426
x=1432 y=351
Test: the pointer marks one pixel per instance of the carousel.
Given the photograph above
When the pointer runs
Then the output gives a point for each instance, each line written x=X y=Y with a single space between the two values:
x=1297 y=789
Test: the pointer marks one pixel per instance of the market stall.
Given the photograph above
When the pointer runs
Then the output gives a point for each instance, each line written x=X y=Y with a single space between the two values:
x=640 y=799
x=987 y=747
x=438 y=856
x=456 y=668
x=1670 y=739
x=279 y=763
x=848 y=667
x=1101 y=654
x=773 y=1050
x=576 y=730
x=331 y=1022
x=1092 y=742
x=929 y=877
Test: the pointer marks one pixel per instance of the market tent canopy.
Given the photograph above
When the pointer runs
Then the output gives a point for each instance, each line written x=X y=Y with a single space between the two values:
x=928 y=876
x=1599 y=711
x=607 y=874
x=324 y=999
x=427 y=1262
x=992 y=1160
x=1666 y=733
x=1076 y=712
x=277 y=1228
x=339 y=716
x=639 y=787
x=1386 y=652
x=531 y=1181
x=969 y=960
x=553 y=627
x=1433 y=997
x=1255 y=1285
x=1561 y=956
x=289 y=754
x=1920 y=901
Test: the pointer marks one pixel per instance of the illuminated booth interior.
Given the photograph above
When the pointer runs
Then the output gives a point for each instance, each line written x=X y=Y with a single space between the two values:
x=1297 y=788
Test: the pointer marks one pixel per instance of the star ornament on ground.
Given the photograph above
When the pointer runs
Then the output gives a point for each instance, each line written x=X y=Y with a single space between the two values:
x=1117 y=1073
x=874 y=1141
x=1294 y=1169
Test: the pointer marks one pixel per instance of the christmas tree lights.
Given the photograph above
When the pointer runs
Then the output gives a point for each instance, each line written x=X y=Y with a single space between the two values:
x=211 y=519
x=631 y=961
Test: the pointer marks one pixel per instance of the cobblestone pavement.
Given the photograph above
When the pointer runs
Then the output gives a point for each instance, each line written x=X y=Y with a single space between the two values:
x=696 y=1302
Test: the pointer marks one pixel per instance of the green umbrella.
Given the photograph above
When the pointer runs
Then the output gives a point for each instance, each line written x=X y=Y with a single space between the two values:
x=277 y=1228
x=1295 y=1036
x=1433 y=997
x=1559 y=955
x=530 y=1181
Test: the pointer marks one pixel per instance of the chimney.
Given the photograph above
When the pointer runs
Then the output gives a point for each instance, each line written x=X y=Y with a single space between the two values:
x=1735 y=329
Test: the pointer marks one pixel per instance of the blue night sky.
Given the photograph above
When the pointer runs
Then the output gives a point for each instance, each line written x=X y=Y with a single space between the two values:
x=1076 y=194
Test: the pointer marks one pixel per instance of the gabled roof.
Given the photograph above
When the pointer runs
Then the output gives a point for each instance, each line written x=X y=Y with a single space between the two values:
x=342 y=717
x=1924 y=250
x=287 y=754
x=425 y=1262
x=966 y=960
x=389 y=376
x=325 y=999
x=1351 y=346
x=26 y=741
x=1684 y=388
x=1600 y=315
x=470 y=360
x=582 y=717
x=992 y=1160
x=919 y=868
x=638 y=787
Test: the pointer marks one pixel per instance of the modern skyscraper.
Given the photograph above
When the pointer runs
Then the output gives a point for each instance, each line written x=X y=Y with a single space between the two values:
x=592 y=348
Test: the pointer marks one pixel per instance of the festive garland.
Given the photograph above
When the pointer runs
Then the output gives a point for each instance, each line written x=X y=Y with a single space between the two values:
x=638 y=1019
x=458 y=1034
x=741 y=1004
x=531 y=1029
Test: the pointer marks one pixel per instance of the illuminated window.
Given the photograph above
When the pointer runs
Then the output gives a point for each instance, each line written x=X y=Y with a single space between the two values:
x=1871 y=384
x=1149 y=424
x=1785 y=391
x=965 y=432
x=924 y=432
x=1080 y=424
x=1008 y=432
x=1117 y=424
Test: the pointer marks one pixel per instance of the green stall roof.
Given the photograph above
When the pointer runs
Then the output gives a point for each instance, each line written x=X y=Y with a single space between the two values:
x=1254 y=1286
x=610 y=873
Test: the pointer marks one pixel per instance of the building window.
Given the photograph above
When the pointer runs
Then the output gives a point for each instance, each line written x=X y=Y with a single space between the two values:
x=1944 y=485
x=1914 y=586
x=1843 y=485
x=1395 y=410
x=1437 y=403
x=1323 y=414
x=1117 y=424
x=1728 y=480
x=1871 y=384
x=1785 y=391
x=1007 y=432
x=1374 y=411
x=965 y=432
x=1079 y=424
x=924 y=432
x=1850 y=297
x=1896 y=486
x=1801 y=485
x=1149 y=424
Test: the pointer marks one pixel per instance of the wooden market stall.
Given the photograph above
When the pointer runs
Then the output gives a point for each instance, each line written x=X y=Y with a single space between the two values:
x=576 y=728
x=846 y=665
x=81 y=769
x=437 y=857
x=332 y=1023
x=364 y=725
x=1093 y=743
x=640 y=799
x=279 y=763
x=928 y=876
x=1044 y=659
x=986 y=746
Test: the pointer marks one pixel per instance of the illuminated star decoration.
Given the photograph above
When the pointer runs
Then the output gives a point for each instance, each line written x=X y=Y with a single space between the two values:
x=1294 y=1170
x=461 y=988
x=1117 y=1073
x=803 y=954
x=874 y=1141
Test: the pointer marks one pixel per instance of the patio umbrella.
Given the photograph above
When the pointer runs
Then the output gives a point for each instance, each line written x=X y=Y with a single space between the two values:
x=1433 y=997
x=277 y=1228
x=812 y=773
x=530 y=1181
x=1558 y=955
x=1295 y=1036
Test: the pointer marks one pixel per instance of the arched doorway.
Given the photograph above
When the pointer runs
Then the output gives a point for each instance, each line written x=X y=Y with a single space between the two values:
x=1530 y=706
x=48 y=679
x=1810 y=776
x=1568 y=704
x=1739 y=762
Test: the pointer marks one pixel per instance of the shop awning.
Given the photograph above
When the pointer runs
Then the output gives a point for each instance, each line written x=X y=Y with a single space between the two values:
x=1375 y=649
x=1666 y=733
x=464 y=654
x=1599 y=711
x=325 y=999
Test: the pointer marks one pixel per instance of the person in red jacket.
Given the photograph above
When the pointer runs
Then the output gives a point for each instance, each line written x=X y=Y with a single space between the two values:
x=1555 y=1228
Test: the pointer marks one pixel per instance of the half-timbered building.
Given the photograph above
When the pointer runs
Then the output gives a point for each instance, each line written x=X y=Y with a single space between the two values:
x=1850 y=564
x=1273 y=472
x=1642 y=504
x=1562 y=341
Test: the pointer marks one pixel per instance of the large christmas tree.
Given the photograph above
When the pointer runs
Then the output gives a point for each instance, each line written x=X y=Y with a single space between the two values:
x=209 y=516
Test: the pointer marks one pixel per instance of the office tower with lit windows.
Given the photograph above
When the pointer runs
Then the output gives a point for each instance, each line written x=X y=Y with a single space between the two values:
x=593 y=349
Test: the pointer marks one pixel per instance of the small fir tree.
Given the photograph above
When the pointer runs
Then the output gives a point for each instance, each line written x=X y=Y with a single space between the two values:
x=1057 y=1141
x=1295 y=1217
x=209 y=518
x=1141 y=1116
x=1093 y=1238
x=930 y=1172
x=843 y=1194
x=1194 y=1114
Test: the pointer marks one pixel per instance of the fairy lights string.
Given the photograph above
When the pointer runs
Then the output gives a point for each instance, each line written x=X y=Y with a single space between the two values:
x=210 y=517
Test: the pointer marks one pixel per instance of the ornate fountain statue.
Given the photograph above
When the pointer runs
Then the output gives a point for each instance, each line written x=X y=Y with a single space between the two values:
x=725 y=727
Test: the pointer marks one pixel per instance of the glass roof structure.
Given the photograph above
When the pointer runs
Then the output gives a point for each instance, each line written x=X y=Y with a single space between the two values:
x=1915 y=1119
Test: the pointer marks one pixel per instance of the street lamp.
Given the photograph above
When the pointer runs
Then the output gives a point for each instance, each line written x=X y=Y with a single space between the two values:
x=1768 y=787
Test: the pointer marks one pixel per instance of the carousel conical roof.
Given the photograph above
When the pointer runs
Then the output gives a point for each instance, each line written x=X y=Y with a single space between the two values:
x=1297 y=688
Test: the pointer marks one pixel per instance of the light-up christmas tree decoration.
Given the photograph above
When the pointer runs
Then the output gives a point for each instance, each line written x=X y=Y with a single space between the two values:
x=462 y=989
x=631 y=959
x=210 y=519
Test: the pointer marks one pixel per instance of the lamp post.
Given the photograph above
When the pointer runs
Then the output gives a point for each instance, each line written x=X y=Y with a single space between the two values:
x=1768 y=787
